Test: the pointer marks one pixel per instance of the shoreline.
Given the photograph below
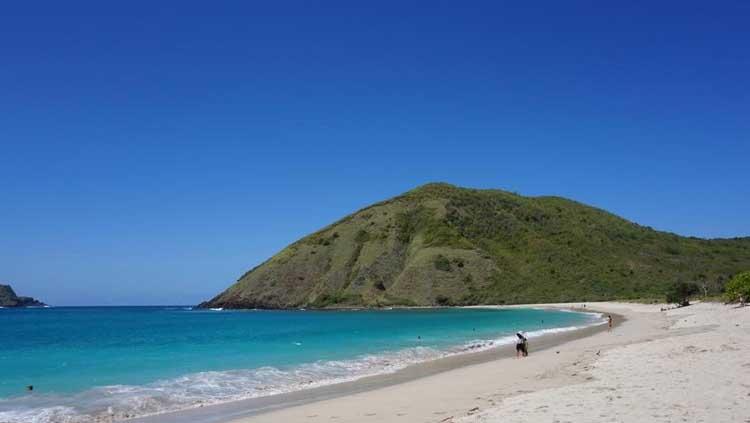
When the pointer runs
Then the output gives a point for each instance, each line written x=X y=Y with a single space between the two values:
x=249 y=408
x=684 y=364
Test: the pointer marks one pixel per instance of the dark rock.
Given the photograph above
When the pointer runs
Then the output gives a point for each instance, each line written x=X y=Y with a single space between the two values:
x=8 y=298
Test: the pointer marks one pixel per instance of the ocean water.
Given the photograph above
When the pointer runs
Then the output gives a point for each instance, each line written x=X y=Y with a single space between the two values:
x=88 y=363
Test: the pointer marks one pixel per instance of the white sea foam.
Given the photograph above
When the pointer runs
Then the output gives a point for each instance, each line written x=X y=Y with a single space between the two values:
x=205 y=388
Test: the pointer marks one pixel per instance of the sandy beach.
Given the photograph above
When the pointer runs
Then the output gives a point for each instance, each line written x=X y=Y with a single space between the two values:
x=690 y=364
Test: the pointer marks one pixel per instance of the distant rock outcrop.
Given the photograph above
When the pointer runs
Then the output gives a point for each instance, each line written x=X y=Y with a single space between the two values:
x=8 y=298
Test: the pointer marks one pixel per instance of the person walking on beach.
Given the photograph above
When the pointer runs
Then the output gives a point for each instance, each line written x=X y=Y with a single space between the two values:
x=522 y=346
x=609 y=322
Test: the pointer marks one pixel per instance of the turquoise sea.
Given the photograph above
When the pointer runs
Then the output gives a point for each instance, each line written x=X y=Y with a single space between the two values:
x=89 y=362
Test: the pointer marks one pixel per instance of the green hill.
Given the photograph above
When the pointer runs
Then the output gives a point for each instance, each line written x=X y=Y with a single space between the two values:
x=444 y=245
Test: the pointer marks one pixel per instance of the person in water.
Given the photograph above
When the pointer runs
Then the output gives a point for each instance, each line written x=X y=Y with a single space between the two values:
x=522 y=345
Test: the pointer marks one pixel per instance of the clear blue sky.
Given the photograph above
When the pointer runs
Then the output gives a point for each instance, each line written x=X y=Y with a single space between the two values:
x=151 y=154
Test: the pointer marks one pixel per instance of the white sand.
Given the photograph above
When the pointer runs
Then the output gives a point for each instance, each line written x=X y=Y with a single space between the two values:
x=684 y=365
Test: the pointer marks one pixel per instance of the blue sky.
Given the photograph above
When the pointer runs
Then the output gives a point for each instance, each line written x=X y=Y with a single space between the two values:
x=151 y=154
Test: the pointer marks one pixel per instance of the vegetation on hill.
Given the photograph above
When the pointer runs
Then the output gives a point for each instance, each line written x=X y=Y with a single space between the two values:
x=444 y=245
x=680 y=292
x=738 y=288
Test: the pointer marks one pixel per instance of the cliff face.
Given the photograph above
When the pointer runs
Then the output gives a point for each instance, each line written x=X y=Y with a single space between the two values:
x=444 y=245
x=8 y=298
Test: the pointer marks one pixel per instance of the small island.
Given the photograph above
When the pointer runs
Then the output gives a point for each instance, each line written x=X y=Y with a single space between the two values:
x=8 y=298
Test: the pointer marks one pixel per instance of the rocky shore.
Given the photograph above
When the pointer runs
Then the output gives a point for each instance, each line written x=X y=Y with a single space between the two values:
x=8 y=298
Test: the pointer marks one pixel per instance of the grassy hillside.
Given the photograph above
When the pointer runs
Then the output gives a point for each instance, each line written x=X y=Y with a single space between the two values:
x=444 y=245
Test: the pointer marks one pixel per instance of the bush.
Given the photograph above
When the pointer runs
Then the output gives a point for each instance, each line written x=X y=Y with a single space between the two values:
x=362 y=236
x=442 y=263
x=738 y=288
x=680 y=292
x=443 y=301
x=336 y=298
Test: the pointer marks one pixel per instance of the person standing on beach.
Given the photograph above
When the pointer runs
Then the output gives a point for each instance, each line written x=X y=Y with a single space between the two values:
x=522 y=346
x=609 y=322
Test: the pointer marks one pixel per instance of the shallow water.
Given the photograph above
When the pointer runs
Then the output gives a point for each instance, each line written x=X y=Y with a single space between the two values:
x=90 y=362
